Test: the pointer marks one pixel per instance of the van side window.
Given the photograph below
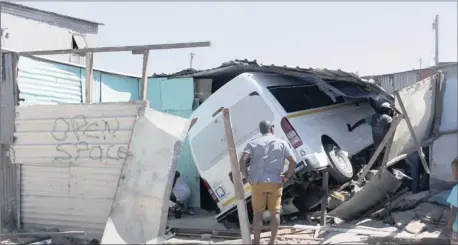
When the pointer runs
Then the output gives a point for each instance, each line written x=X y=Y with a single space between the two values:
x=299 y=98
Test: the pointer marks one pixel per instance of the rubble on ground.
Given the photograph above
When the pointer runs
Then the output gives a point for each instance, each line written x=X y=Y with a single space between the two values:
x=408 y=219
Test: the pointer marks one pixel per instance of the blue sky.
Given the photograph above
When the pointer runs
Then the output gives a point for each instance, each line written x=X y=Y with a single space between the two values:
x=369 y=38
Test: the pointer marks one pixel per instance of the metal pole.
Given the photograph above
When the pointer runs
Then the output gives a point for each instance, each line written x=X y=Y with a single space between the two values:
x=237 y=179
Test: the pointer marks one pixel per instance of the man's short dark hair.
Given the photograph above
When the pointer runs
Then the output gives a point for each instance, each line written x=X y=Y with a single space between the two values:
x=265 y=127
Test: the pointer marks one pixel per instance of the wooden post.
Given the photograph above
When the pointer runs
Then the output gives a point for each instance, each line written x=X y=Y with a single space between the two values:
x=324 y=198
x=388 y=136
x=89 y=77
x=237 y=178
x=144 y=82
x=412 y=132
x=386 y=154
x=438 y=102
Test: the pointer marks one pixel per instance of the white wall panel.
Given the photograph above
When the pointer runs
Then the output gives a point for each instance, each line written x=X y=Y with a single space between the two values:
x=71 y=156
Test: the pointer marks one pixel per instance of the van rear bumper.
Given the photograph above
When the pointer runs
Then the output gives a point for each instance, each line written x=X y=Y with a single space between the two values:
x=309 y=164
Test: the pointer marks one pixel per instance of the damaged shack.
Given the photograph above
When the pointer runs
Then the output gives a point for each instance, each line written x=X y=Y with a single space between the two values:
x=311 y=109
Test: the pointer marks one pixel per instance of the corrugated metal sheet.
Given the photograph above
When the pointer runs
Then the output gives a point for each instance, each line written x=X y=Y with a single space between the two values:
x=396 y=81
x=43 y=82
x=9 y=173
x=71 y=158
x=9 y=190
x=23 y=33
x=68 y=22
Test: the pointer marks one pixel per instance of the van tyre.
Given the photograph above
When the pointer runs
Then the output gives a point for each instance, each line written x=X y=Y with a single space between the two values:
x=341 y=168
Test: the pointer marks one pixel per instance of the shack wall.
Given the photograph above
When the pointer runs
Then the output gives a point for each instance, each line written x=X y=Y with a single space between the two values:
x=45 y=81
x=9 y=173
x=71 y=157
x=444 y=148
x=176 y=96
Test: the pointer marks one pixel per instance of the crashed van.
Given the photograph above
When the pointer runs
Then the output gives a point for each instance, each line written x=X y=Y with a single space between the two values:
x=309 y=112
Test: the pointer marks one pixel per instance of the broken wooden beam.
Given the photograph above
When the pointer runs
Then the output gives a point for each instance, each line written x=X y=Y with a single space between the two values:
x=45 y=233
x=343 y=230
x=144 y=82
x=388 y=136
x=135 y=49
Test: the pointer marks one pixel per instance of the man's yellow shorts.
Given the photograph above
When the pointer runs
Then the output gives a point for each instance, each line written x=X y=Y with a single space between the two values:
x=266 y=194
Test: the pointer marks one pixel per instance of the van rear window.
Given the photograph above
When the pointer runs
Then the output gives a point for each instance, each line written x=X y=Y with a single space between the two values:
x=209 y=146
x=302 y=97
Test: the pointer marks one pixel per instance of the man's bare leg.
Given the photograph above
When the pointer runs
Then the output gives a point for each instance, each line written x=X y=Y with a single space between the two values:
x=257 y=224
x=274 y=225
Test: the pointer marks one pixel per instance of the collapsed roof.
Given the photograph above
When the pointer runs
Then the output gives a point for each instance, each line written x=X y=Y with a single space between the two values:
x=234 y=68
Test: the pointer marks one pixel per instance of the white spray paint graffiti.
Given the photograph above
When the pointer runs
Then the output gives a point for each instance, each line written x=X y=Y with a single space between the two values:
x=85 y=130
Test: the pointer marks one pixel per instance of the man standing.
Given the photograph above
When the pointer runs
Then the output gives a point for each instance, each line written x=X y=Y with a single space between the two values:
x=380 y=123
x=267 y=156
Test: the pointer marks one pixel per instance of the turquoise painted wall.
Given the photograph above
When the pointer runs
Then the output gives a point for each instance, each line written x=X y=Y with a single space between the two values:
x=176 y=97
x=47 y=82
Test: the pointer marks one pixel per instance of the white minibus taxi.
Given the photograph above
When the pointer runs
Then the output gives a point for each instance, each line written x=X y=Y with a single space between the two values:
x=302 y=114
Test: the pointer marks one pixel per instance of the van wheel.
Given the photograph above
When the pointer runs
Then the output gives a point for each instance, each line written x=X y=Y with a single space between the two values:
x=341 y=168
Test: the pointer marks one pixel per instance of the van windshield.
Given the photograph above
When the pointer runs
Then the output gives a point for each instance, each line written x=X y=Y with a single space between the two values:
x=301 y=97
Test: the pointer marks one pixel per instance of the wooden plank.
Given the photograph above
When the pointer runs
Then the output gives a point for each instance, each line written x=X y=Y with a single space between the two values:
x=386 y=154
x=89 y=77
x=324 y=198
x=237 y=179
x=439 y=90
x=388 y=136
x=137 y=49
x=144 y=83
x=412 y=132
x=7 y=100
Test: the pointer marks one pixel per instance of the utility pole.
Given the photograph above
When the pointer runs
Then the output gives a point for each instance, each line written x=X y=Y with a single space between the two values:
x=192 y=57
x=436 y=39
x=420 y=60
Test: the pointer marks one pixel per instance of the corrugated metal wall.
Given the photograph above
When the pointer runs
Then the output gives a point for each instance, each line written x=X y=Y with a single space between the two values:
x=54 y=31
x=9 y=173
x=396 y=81
x=43 y=82
x=71 y=158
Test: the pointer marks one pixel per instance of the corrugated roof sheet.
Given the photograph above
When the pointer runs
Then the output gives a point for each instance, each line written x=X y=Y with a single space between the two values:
x=5 y=3
x=240 y=66
x=236 y=67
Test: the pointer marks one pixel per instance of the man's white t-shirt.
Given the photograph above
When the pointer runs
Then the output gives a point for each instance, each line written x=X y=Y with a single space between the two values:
x=181 y=190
